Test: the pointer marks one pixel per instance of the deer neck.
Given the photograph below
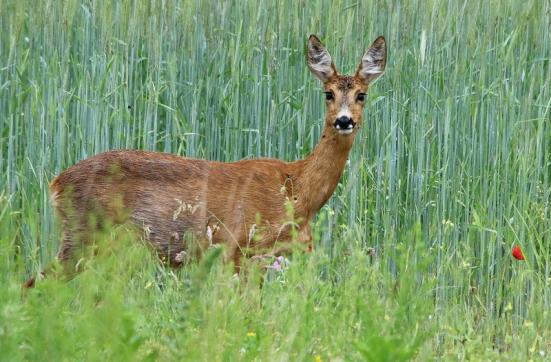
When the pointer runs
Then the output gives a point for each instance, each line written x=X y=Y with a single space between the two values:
x=320 y=172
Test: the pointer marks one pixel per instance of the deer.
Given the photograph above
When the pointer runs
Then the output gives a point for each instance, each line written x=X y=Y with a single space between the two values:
x=242 y=205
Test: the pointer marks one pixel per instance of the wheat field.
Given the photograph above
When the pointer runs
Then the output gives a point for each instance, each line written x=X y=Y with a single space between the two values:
x=451 y=170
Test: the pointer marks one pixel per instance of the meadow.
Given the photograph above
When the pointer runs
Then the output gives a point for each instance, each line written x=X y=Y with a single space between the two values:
x=412 y=258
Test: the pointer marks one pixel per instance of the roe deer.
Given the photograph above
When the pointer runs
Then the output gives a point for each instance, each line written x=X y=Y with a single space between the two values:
x=243 y=204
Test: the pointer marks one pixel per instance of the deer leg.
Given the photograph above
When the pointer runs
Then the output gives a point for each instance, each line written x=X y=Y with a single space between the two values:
x=65 y=256
x=30 y=283
x=305 y=238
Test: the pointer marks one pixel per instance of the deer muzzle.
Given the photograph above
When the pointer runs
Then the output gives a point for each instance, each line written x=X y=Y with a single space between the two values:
x=344 y=125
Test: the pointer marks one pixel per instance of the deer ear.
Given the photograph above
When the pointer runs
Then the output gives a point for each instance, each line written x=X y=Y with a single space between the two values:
x=373 y=62
x=319 y=60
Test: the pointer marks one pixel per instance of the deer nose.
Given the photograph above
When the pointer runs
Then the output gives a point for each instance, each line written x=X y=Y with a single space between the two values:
x=344 y=123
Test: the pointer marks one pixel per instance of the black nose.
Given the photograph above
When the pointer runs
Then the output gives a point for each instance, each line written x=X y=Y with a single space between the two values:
x=344 y=122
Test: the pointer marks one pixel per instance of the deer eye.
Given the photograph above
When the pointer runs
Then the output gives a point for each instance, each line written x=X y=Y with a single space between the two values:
x=360 y=97
x=329 y=96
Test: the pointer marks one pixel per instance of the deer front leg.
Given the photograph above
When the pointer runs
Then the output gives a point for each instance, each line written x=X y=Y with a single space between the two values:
x=303 y=240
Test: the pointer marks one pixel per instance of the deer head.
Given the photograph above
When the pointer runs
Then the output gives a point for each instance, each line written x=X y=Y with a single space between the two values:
x=345 y=95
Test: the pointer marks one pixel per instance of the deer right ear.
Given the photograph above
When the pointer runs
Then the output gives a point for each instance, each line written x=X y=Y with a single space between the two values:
x=319 y=60
x=373 y=62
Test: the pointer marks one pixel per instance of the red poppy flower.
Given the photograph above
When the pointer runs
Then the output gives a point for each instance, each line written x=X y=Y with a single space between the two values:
x=517 y=253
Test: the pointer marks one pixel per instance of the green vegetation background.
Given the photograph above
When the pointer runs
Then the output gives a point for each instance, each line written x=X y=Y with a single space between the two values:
x=452 y=168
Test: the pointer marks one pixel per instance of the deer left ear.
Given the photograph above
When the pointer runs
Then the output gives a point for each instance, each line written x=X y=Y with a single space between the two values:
x=373 y=62
x=319 y=60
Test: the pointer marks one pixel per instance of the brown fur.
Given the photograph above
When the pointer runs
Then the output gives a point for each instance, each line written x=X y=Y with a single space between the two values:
x=243 y=204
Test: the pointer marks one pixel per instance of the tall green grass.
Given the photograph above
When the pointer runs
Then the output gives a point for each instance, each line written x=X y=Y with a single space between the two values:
x=452 y=168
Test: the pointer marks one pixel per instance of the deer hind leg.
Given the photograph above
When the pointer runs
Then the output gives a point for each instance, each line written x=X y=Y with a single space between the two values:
x=70 y=253
x=67 y=257
x=80 y=225
x=30 y=283
x=171 y=242
x=172 y=249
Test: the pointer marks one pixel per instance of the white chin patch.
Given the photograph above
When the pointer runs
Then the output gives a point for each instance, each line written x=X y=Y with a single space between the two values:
x=348 y=130
x=345 y=131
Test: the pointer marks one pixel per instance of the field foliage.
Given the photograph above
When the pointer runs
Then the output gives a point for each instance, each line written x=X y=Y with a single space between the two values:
x=413 y=253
